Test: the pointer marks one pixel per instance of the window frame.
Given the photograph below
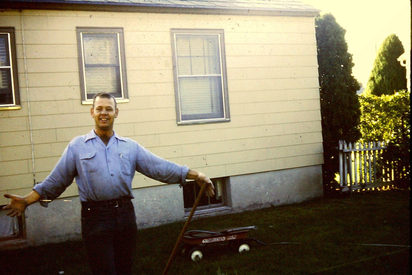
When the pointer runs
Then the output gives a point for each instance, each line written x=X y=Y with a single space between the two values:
x=223 y=74
x=121 y=60
x=14 y=81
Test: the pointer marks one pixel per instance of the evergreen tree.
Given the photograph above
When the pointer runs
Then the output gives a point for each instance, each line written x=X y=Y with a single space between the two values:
x=387 y=76
x=340 y=108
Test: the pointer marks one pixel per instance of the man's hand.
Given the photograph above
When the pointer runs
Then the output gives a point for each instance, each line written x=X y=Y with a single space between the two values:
x=202 y=179
x=18 y=203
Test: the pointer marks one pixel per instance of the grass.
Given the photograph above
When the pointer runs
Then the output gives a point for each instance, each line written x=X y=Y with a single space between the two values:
x=366 y=233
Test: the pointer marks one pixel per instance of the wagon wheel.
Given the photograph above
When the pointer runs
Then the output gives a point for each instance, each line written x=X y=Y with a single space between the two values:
x=195 y=254
x=239 y=246
x=244 y=247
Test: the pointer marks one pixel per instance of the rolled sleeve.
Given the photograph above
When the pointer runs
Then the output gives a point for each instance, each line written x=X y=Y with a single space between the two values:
x=44 y=198
x=40 y=190
x=185 y=170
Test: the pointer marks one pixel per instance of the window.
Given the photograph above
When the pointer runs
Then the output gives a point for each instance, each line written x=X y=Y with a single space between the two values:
x=191 y=191
x=200 y=76
x=102 y=62
x=9 y=85
x=10 y=228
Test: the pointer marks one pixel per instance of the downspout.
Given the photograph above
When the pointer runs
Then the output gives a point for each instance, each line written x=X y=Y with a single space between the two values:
x=28 y=99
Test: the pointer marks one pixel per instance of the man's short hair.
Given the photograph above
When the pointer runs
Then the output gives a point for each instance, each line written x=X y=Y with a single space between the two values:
x=105 y=95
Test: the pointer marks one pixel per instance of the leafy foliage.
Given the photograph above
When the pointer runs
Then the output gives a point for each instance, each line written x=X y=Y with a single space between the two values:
x=388 y=75
x=387 y=118
x=340 y=108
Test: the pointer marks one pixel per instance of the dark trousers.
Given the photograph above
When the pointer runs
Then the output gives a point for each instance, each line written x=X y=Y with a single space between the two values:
x=110 y=236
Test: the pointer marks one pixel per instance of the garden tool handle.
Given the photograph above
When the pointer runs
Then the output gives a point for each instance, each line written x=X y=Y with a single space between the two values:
x=199 y=197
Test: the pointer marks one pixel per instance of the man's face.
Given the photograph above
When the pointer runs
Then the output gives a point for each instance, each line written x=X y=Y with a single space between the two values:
x=104 y=112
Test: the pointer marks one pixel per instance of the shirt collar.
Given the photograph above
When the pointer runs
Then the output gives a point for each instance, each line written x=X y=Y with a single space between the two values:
x=92 y=135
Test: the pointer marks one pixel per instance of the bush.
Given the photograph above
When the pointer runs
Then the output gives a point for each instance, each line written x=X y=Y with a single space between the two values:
x=387 y=118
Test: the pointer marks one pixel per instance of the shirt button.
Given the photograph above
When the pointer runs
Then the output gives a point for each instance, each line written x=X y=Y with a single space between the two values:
x=111 y=175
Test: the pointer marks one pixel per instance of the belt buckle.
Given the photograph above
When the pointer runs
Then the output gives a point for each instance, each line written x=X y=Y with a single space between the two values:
x=117 y=204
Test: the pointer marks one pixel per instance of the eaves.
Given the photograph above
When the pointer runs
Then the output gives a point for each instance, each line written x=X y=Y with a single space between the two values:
x=189 y=7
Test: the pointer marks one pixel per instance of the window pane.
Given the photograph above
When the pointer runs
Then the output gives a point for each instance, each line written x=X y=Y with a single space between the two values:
x=201 y=97
x=100 y=49
x=6 y=93
x=4 y=50
x=198 y=55
x=102 y=79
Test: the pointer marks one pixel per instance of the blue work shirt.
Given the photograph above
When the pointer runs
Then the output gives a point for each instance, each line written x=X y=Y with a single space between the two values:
x=106 y=172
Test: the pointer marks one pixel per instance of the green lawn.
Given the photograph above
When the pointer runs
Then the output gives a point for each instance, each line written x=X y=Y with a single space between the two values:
x=366 y=233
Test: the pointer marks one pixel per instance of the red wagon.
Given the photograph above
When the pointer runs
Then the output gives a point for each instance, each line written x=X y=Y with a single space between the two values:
x=194 y=241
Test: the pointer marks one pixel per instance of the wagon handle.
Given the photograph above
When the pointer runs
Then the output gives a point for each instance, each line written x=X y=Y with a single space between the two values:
x=202 y=190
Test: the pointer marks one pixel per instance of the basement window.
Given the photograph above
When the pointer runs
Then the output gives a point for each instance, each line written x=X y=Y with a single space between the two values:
x=10 y=228
x=191 y=191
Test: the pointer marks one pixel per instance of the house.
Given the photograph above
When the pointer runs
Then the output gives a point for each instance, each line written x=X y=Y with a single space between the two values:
x=405 y=60
x=227 y=87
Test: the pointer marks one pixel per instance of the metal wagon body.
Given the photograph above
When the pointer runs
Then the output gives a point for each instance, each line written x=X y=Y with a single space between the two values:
x=194 y=241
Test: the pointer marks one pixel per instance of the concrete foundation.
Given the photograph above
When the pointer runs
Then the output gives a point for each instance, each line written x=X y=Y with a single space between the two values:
x=262 y=190
x=60 y=221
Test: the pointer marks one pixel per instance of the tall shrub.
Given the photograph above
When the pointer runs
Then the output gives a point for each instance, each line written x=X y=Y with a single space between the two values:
x=387 y=118
x=388 y=75
x=340 y=109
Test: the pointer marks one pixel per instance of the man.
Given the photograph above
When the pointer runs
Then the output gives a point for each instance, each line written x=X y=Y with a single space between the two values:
x=104 y=165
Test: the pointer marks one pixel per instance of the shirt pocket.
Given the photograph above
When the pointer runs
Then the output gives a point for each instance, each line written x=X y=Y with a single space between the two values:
x=89 y=162
x=125 y=164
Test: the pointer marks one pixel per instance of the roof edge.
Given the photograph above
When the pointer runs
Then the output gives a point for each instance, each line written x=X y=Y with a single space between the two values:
x=125 y=7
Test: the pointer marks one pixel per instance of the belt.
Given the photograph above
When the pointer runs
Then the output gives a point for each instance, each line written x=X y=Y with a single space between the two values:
x=108 y=203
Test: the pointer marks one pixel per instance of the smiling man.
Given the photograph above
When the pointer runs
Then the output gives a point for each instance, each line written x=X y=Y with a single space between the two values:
x=104 y=165
x=104 y=112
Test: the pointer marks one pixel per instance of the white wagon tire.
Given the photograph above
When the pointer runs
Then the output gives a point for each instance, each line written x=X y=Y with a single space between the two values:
x=244 y=248
x=196 y=255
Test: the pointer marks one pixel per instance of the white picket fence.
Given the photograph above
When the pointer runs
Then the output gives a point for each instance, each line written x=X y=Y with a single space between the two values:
x=359 y=167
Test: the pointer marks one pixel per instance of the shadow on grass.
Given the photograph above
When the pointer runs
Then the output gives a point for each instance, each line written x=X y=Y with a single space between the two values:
x=366 y=233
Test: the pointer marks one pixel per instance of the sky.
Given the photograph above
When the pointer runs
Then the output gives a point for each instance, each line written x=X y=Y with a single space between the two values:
x=367 y=24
